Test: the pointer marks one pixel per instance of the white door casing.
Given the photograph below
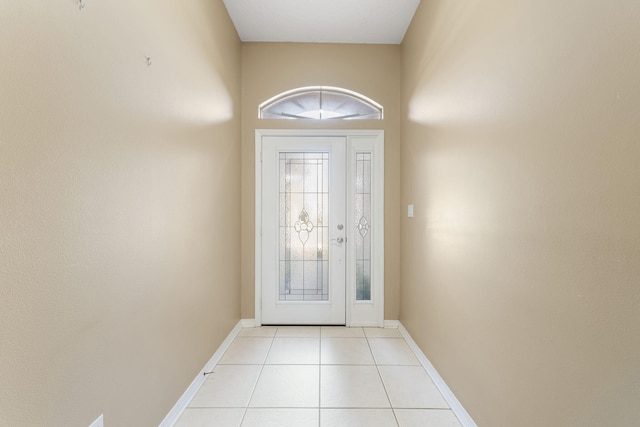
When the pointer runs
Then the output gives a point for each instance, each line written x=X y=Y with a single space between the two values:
x=351 y=229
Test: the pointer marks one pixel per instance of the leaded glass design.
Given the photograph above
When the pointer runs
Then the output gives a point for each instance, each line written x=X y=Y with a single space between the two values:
x=363 y=237
x=304 y=227
x=363 y=226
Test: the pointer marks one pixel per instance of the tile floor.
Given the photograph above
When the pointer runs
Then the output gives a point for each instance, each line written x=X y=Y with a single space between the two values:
x=318 y=376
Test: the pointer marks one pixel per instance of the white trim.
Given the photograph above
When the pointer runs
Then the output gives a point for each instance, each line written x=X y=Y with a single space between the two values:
x=364 y=325
x=391 y=324
x=248 y=323
x=177 y=410
x=455 y=405
x=258 y=230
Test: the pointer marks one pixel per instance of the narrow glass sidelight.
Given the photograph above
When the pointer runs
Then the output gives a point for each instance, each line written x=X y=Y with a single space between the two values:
x=363 y=226
x=304 y=232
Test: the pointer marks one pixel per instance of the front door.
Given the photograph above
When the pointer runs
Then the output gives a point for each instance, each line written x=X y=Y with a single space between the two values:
x=303 y=208
x=315 y=247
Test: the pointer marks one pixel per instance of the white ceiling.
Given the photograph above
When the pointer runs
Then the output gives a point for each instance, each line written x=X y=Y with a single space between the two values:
x=322 y=21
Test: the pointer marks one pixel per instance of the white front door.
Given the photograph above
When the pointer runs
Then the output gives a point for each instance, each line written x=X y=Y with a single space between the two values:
x=315 y=262
x=303 y=216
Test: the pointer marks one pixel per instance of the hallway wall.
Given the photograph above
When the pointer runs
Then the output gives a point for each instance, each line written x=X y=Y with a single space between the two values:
x=521 y=269
x=119 y=202
x=269 y=69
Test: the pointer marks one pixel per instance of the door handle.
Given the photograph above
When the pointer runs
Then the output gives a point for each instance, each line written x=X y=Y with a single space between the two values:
x=339 y=240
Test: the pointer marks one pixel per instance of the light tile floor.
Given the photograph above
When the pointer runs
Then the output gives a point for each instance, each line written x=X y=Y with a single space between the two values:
x=318 y=377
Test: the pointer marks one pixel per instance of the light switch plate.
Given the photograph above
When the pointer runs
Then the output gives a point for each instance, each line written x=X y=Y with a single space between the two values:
x=410 y=211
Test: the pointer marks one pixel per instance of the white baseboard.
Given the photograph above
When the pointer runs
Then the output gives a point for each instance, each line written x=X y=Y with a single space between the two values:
x=392 y=324
x=248 y=323
x=455 y=405
x=187 y=396
x=363 y=325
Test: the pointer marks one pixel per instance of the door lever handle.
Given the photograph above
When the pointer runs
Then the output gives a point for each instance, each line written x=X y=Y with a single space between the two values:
x=339 y=240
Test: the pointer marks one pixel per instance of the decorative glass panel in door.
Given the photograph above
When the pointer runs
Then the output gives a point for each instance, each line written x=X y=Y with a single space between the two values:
x=304 y=230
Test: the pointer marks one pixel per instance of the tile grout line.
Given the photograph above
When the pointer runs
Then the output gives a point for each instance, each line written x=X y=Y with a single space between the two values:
x=246 y=409
x=382 y=381
x=319 y=364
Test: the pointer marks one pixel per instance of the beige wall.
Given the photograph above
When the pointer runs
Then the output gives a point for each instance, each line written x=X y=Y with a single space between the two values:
x=372 y=70
x=119 y=258
x=521 y=270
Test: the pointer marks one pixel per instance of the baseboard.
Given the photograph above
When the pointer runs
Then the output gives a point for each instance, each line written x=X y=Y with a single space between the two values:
x=248 y=323
x=392 y=324
x=455 y=405
x=364 y=325
x=187 y=396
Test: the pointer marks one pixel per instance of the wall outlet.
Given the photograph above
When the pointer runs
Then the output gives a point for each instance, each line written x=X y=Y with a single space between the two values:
x=99 y=422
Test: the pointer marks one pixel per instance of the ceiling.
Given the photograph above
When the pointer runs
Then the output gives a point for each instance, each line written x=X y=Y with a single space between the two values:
x=322 y=21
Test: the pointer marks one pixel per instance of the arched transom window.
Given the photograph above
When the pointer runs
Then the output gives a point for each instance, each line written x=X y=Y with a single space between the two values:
x=320 y=103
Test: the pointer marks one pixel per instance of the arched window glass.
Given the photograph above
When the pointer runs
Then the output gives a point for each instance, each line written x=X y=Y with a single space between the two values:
x=320 y=103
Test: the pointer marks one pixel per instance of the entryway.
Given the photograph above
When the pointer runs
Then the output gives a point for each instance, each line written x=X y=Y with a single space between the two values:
x=319 y=376
x=320 y=227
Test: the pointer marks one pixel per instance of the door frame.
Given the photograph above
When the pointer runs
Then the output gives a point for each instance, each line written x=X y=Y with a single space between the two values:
x=358 y=313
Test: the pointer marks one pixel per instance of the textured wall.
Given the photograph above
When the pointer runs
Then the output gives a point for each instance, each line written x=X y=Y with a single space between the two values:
x=521 y=152
x=119 y=202
x=372 y=70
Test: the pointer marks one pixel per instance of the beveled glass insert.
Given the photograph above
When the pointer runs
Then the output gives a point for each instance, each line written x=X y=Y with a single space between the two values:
x=304 y=226
x=363 y=224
